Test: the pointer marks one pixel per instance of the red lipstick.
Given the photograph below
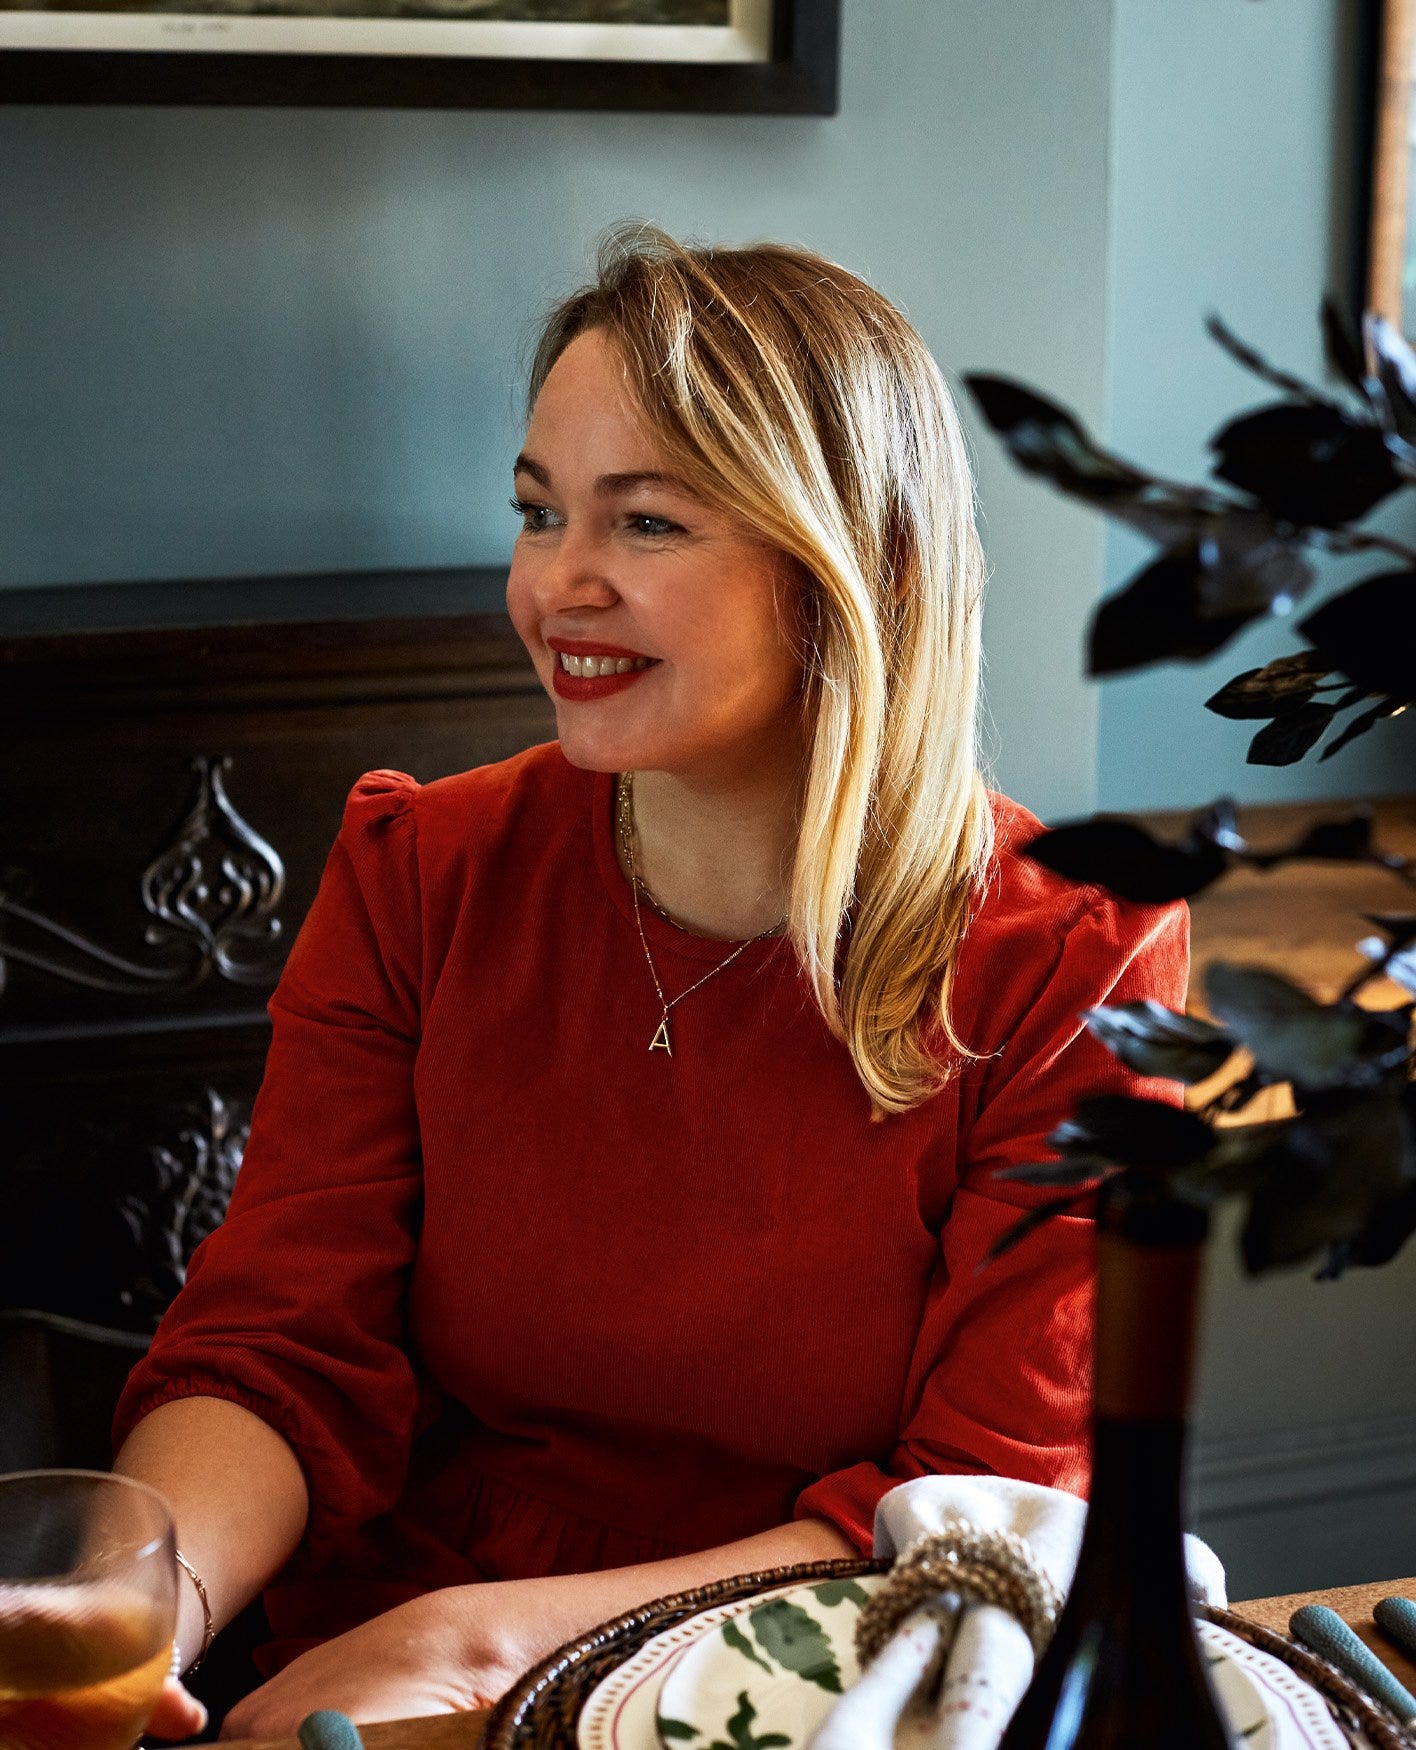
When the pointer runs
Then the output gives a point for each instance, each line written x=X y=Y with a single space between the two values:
x=583 y=689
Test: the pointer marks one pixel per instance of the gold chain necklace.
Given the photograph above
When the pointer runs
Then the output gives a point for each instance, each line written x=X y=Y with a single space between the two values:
x=624 y=815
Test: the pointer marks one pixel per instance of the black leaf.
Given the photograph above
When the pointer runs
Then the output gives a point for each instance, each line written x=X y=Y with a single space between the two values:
x=1362 y=722
x=1034 y=1218
x=1391 y=1223
x=1342 y=347
x=1079 y=1170
x=1277 y=686
x=1394 y=958
x=1293 y=1037
x=1149 y=1135
x=1236 y=1095
x=1156 y=617
x=1291 y=734
x=1348 y=840
x=1369 y=632
x=1312 y=465
x=1401 y=969
x=1198 y=594
x=1337 y=1169
x=1046 y=439
x=1240 y=1160
x=1125 y=859
x=1244 y=354
x=1399 y=927
x=1148 y=1037
x=1247 y=562
x=1352 y=696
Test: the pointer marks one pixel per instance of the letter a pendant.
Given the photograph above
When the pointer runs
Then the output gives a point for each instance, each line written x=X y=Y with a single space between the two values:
x=660 y=1041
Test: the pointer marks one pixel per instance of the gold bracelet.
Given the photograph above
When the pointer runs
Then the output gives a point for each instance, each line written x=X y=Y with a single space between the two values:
x=208 y=1631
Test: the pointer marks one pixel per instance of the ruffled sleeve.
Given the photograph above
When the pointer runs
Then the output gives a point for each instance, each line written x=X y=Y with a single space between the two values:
x=293 y=1308
x=1000 y=1380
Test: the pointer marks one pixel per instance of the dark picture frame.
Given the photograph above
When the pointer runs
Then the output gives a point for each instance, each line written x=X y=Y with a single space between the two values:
x=798 y=74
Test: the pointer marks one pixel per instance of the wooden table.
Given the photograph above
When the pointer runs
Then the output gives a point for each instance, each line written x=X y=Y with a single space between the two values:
x=1352 y=1603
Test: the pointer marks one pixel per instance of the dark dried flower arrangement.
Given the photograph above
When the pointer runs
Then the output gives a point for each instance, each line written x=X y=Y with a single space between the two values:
x=1335 y=1182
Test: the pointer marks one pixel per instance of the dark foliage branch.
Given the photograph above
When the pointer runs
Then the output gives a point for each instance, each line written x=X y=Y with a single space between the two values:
x=1337 y=1181
x=1302 y=470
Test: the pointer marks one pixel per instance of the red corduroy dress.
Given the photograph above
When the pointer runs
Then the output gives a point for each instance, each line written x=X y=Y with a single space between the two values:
x=527 y=1298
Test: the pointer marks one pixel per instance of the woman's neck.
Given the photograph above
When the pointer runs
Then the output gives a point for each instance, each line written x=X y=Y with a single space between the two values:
x=717 y=854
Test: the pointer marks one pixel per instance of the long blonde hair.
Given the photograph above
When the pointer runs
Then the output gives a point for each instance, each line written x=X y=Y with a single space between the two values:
x=797 y=399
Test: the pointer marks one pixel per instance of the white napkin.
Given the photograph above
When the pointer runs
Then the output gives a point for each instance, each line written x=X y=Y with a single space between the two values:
x=990 y=1660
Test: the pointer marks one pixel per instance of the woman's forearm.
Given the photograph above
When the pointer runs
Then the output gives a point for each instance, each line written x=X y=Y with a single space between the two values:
x=513 y=1624
x=238 y=1498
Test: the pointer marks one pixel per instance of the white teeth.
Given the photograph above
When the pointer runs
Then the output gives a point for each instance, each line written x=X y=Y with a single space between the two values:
x=591 y=667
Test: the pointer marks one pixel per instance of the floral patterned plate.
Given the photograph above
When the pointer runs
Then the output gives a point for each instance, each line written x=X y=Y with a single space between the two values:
x=766 y=1678
x=618 y=1714
x=769 y=1677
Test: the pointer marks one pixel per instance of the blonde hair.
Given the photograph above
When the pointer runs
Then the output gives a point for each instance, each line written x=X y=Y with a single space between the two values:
x=797 y=399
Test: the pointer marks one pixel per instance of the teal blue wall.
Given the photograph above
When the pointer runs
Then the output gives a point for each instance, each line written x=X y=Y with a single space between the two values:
x=237 y=342
x=267 y=341
x=1232 y=184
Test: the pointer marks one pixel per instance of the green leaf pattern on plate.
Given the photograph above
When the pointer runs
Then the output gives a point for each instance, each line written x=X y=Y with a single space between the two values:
x=739 y=1643
x=676 y=1728
x=794 y=1638
x=832 y=1592
x=742 y=1735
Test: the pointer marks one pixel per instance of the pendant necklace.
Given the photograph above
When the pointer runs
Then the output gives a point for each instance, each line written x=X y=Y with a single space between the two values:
x=624 y=815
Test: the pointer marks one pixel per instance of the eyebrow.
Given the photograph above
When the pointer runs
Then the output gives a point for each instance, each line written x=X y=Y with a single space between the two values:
x=609 y=485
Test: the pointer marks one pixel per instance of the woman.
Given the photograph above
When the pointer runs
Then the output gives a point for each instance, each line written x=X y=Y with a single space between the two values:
x=617 y=1195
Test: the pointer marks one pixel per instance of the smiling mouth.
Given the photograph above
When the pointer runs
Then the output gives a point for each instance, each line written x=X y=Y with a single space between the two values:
x=591 y=667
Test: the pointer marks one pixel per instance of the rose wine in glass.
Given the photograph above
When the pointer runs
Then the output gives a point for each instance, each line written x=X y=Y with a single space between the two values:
x=88 y=1608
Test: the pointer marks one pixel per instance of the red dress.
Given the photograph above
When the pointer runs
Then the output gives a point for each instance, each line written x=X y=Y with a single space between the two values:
x=528 y=1299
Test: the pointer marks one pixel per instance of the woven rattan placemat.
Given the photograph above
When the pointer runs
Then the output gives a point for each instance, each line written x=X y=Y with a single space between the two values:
x=543 y=1708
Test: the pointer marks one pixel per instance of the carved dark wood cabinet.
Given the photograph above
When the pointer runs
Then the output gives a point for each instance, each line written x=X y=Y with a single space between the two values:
x=176 y=758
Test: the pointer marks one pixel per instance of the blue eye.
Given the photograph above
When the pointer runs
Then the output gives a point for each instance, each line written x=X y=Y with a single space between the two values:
x=534 y=517
x=644 y=524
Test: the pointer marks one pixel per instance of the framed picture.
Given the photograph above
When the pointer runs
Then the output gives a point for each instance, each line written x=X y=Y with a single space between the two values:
x=1391 y=253
x=706 y=55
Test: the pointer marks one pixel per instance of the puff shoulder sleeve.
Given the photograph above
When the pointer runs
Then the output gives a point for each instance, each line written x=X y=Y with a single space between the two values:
x=1000 y=1381
x=293 y=1308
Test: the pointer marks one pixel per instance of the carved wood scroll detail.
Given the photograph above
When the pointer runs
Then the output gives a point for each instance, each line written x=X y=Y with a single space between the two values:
x=184 y=1199
x=213 y=893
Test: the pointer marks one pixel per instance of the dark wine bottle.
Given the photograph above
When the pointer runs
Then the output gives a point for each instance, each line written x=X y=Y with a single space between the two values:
x=1124 y=1667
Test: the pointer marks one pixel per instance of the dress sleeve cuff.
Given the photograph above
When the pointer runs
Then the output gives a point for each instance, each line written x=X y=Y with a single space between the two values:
x=847 y=1499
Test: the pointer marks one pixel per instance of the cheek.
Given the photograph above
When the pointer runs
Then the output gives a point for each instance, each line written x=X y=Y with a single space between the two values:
x=521 y=607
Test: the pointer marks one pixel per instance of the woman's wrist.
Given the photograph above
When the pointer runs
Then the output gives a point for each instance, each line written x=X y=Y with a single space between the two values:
x=505 y=1627
x=195 y=1634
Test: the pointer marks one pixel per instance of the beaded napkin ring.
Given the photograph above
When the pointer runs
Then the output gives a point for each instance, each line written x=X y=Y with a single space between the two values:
x=983 y=1567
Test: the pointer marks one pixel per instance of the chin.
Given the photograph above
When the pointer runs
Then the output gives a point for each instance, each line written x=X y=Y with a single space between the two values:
x=590 y=760
x=594 y=753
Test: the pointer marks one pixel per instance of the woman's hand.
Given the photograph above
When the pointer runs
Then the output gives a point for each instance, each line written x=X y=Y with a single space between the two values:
x=177 y=1714
x=425 y=1657
x=464 y=1647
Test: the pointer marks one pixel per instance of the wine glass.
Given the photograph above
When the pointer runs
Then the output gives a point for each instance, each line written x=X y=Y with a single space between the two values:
x=88 y=1609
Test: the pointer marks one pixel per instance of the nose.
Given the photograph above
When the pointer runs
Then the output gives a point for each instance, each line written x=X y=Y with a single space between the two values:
x=571 y=573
